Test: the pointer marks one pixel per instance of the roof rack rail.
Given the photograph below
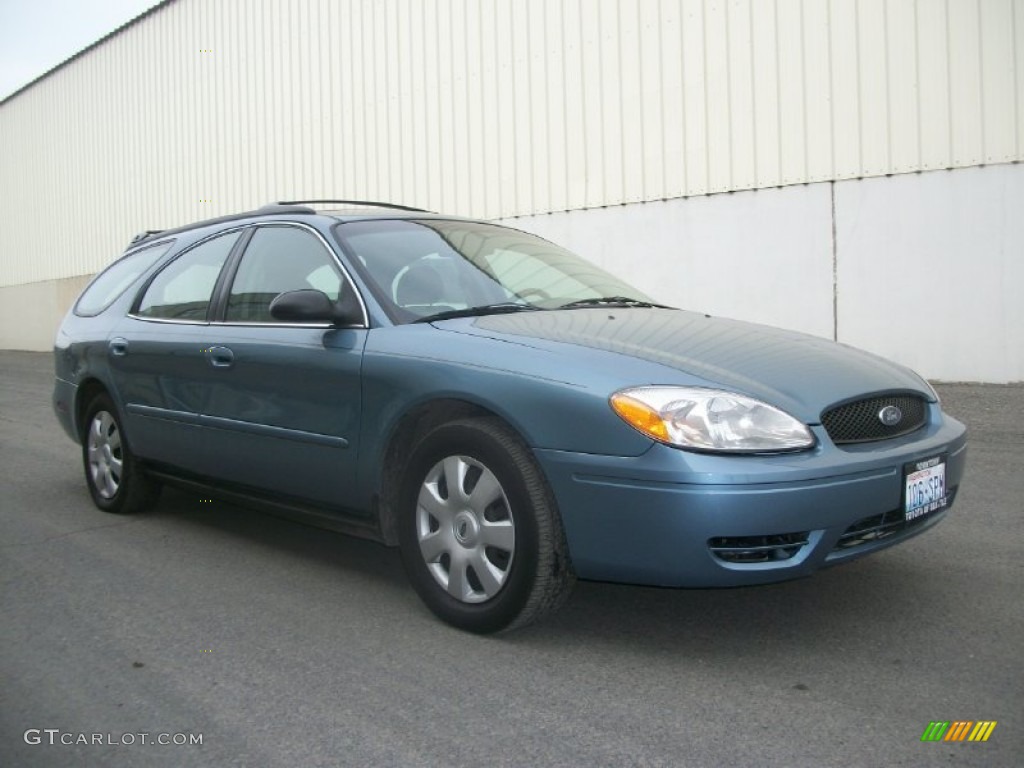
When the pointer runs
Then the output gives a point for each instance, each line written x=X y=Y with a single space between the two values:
x=144 y=234
x=283 y=208
x=369 y=203
x=267 y=209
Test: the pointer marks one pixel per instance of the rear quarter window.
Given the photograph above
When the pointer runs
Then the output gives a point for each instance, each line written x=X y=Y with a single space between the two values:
x=182 y=289
x=112 y=282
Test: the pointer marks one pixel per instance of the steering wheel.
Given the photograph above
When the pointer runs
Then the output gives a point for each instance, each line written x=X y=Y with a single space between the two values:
x=539 y=292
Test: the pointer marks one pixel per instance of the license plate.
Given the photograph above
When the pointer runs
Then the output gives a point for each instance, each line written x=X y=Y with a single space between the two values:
x=924 y=489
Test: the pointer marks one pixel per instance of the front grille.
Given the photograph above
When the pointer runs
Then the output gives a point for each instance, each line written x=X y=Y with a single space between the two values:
x=757 y=549
x=878 y=527
x=859 y=421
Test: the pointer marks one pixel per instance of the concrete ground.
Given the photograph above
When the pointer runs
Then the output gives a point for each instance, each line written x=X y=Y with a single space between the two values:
x=283 y=645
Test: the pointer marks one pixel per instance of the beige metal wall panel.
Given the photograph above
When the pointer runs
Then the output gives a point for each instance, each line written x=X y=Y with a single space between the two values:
x=1017 y=12
x=872 y=87
x=739 y=87
x=696 y=160
x=845 y=88
x=815 y=66
x=493 y=108
x=717 y=148
x=791 y=91
x=966 y=83
x=767 y=117
x=934 y=104
x=996 y=40
x=671 y=165
x=904 y=128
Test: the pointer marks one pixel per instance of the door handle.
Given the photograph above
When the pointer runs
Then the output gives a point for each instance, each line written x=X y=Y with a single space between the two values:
x=118 y=347
x=220 y=357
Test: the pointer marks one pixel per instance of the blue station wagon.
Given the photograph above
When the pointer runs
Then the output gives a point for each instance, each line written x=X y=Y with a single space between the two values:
x=507 y=414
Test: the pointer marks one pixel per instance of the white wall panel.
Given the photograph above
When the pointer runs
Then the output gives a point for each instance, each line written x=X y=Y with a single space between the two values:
x=763 y=256
x=901 y=248
x=494 y=108
x=922 y=273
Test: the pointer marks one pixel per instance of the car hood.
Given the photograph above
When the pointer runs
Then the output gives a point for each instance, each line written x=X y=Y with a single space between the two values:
x=800 y=373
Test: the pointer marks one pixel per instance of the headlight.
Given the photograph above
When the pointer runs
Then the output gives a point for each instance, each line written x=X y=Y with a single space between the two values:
x=928 y=386
x=710 y=420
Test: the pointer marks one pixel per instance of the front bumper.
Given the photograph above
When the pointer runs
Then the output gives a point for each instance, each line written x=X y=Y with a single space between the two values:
x=670 y=517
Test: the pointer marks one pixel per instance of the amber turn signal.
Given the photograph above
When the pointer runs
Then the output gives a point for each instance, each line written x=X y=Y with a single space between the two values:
x=640 y=416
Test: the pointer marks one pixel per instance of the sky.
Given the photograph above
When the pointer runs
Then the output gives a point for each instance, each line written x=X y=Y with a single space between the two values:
x=37 y=35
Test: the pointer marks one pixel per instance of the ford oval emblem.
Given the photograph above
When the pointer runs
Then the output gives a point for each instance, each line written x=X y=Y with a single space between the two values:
x=890 y=415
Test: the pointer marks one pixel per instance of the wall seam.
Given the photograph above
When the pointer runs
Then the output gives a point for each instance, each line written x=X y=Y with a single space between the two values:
x=835 y=266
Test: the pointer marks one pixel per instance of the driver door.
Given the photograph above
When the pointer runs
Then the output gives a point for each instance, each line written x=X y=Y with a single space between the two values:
x=283 y=400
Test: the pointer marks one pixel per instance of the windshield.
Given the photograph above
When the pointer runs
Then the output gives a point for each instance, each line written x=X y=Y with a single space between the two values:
x=422 y=268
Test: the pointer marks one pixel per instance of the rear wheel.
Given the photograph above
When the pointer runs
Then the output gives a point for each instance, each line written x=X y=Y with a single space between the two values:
x=116 y=482
x=480 y=534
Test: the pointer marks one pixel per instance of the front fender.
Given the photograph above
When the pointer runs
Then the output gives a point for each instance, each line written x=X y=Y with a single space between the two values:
x=552 y=404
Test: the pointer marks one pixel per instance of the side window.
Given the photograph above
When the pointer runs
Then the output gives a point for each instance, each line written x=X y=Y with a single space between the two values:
x=112 y=282
x=182 y=290
x=279 y=259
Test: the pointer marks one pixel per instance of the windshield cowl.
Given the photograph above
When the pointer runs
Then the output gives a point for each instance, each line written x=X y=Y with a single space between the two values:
x=613 y=301
x=486 y=309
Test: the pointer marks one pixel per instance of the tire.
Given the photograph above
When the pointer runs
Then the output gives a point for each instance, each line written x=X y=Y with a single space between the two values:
x=479 y=531
x=116 y=482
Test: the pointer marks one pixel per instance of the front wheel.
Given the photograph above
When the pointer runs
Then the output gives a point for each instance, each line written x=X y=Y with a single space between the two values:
x=480 y=534
x=116 y=482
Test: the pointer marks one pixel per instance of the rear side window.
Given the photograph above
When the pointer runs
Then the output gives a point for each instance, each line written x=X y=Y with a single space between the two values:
x=182 y=290
x=112 y=282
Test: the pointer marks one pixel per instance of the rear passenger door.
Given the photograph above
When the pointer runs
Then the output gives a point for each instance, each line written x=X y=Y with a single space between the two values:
x=157 y=355
x=282 y=405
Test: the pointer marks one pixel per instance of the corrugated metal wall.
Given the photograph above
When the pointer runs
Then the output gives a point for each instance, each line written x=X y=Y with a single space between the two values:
x=493 y=108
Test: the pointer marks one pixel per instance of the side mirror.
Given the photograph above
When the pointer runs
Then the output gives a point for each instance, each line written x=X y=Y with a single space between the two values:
x=312 y=306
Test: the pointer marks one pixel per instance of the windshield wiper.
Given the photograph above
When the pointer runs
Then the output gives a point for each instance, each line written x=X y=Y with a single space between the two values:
x=501 y=308
x=613 y=301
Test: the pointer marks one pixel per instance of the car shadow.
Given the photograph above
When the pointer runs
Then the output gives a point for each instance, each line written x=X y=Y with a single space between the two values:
x=820 y=613
x=837 y=608
x=282 y=533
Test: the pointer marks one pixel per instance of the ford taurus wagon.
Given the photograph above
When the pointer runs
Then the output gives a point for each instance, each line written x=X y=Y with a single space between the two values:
x=509 y=415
